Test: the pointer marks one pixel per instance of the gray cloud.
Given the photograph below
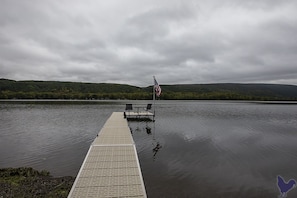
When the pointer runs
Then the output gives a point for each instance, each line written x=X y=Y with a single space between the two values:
x=129 y=41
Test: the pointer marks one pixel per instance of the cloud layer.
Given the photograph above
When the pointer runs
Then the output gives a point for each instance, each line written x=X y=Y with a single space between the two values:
x=185 y=41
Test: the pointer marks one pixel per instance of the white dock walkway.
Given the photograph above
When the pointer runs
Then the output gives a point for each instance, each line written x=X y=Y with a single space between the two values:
x=111 y=167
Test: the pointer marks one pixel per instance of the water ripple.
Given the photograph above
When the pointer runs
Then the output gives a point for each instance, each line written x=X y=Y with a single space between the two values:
x=219 y=149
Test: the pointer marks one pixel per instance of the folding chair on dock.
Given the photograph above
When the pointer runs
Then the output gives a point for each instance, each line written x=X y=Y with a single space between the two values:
x=148 y=107
x=128 y=109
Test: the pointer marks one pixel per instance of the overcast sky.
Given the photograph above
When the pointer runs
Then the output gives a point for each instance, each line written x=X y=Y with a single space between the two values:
x=129 y=41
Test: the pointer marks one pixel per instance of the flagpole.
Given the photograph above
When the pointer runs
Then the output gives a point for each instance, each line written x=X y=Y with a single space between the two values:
x=154 y=97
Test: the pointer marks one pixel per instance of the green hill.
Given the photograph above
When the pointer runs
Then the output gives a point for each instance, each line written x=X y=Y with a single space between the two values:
x=10 y=89
x=233 y=91
x=53 y=86
x=65 y=90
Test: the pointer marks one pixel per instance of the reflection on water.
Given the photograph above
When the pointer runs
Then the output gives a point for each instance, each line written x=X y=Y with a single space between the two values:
x=138 y=128
x=217 y=149
x=156 y=149
x=193 y=149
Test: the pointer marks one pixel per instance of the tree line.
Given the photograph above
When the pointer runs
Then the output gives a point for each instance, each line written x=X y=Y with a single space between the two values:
x=10 y=89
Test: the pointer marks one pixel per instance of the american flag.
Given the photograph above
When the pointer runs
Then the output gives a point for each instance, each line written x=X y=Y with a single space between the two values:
x=157 y=88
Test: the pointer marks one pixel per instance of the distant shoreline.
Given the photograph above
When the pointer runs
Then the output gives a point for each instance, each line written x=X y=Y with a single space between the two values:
x=10 y=89
x=77 y=101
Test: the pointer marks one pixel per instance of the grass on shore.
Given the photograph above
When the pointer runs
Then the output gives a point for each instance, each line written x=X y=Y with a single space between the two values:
x=28 y=182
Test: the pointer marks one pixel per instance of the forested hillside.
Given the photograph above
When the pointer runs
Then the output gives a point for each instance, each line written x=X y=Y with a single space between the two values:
x=67 y=90
x=231 y=91
x=10 y=89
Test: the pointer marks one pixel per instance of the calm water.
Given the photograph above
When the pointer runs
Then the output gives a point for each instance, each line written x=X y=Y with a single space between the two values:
x=205 y=148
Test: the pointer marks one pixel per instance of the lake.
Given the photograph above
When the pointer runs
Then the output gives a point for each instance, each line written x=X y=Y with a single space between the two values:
x=202 y=148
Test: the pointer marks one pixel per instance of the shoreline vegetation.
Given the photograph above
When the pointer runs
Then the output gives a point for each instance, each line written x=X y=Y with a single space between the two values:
x=28 y=182
x=10 y=89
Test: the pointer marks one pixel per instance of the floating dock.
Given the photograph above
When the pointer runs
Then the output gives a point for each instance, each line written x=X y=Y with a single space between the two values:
x=111 y=167
x=144 y=115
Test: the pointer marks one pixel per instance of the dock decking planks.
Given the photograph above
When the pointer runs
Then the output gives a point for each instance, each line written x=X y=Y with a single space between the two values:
x=111 y=167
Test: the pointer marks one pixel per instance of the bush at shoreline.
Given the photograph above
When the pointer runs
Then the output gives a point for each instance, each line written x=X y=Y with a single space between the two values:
x=28 y=182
